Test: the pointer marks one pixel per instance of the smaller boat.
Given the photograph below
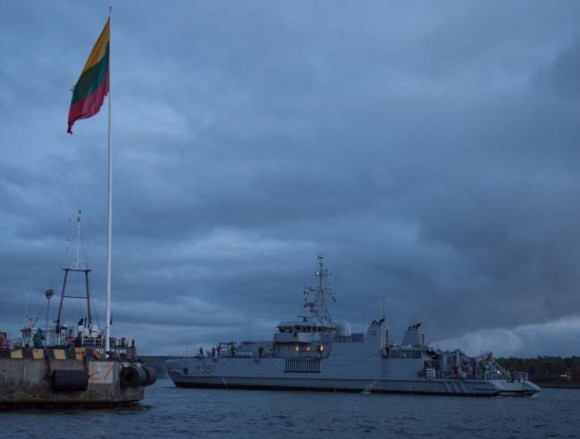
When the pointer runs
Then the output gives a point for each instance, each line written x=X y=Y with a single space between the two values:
x=69 y=366
x=315 y=353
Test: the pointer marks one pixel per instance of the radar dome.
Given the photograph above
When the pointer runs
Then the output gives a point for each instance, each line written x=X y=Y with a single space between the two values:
x=343 y=329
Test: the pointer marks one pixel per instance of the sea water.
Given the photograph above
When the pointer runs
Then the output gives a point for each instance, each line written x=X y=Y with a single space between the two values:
x=171 y=412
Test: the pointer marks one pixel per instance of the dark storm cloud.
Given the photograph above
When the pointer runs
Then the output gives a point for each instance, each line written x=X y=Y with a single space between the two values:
x=428 y=150
x=561 y=75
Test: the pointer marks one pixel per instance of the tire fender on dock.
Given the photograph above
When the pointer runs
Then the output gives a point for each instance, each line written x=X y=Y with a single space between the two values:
x=63 y=380
x=133 y=376
x=151 y=375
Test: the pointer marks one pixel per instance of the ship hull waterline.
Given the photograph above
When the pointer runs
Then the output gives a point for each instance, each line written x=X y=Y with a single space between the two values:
x=178 y=370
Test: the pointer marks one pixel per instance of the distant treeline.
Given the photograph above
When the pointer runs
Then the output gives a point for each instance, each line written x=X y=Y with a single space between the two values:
x=546 y=369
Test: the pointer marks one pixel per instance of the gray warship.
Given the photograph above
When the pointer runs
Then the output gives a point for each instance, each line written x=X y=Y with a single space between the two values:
x=314 y=353
x=70 y=366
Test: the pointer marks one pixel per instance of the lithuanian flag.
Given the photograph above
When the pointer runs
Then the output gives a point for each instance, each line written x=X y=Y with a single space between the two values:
x=93 y=84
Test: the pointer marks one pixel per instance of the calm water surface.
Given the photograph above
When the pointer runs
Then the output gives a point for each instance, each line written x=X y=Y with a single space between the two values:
x=168 y=411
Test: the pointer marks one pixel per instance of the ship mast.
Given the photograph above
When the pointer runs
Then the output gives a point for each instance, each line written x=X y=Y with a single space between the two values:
x=76 y=269
x=315 y=298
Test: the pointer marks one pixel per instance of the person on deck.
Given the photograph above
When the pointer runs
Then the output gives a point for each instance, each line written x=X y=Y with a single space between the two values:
x=37 y=338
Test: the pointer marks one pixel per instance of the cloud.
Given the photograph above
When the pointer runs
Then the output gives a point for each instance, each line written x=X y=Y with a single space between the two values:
x=429 y=150
x=557 y=337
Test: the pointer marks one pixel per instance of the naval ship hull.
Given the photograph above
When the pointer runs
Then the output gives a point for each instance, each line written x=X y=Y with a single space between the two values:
x=364 y=375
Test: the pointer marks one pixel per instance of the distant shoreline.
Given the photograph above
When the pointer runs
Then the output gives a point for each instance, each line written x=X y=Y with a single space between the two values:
x=558 y=385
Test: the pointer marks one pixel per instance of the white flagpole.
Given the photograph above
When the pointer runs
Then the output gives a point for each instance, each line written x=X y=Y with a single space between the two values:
x=110 y=209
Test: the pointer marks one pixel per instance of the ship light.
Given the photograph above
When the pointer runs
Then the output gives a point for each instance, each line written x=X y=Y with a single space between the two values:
x=321 y=348
x=297 y=348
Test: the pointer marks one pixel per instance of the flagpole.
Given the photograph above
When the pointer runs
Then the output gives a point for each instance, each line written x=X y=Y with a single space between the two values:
x=110 y=210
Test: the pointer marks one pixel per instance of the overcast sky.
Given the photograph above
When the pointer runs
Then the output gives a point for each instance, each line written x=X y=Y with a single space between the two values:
x=429 y=149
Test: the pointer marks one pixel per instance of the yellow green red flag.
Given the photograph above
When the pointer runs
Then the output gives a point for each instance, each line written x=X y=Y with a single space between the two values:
x=93 y=84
